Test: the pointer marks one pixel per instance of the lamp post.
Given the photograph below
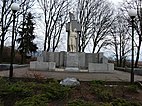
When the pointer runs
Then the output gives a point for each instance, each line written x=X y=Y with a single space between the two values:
x=132 y=13
x=14 y=8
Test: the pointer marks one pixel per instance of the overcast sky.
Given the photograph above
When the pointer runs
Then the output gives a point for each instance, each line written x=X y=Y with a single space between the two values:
x=116 y=1
x=40 y=39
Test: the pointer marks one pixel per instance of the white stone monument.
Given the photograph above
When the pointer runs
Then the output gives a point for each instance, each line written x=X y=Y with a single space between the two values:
x=73 y=28
x=72 y=59
x=72 y=40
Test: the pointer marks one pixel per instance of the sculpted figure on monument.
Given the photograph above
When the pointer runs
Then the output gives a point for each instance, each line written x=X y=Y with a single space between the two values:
x=72 y=40
x=73 y=27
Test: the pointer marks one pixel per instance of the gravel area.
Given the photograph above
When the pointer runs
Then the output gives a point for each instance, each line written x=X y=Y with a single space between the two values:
x=61 y=74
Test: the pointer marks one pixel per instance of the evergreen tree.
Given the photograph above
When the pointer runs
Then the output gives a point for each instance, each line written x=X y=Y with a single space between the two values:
x=26 y=37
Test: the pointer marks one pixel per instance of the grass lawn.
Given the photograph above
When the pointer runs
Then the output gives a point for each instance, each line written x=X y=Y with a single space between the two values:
x=34 y=92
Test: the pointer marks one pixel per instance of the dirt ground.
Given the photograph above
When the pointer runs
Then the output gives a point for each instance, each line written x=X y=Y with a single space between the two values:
x=82 y=76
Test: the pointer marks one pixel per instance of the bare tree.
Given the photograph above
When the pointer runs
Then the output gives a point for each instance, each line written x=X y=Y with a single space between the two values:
x=55 y=17
x=135 y=4
x=6 y=19
x=120 y=39
x=95 y=17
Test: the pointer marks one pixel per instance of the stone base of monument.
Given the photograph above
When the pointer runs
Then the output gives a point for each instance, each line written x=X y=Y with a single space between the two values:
x=98 y=67
x=42 y=66
x=72 y=69
x=72 y=62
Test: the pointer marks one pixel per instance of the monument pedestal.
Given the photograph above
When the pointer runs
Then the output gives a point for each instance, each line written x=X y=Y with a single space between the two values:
x=72 y=62
x=72 y=69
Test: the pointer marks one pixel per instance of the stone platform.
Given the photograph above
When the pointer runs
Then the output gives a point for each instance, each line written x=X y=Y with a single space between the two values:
x=73 y=61
x=60 y=74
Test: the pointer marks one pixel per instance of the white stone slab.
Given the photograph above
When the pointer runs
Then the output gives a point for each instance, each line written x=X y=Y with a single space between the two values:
x=51 y=66
x=98 y=67
x=43 y=66
x=33 y=64
x=72 y=69
x=110 y=66
x=72 y=60
x=81 y=60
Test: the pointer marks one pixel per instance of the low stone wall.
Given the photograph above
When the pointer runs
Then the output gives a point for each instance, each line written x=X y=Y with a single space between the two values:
x=137 y=71
x=98 y=67
x=43 y=66
x=7 y=66
x=95 y=62
x=60 y=58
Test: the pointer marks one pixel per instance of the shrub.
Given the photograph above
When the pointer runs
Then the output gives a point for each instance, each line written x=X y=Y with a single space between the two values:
x=132 y=88
x=1 y=103
x=37 y=100
x=15 y=90
x=3 y=84
x=105 y=104
x=51 y=80
x=40 y=88
x=102 y=93
x=52 y=89
x=20 y=89
x=80 y=103
x=104 y=96
x=120 y=102
x=97 y=82
x=97 y=86
x=4 y=87
x=123 y=102
x=135 y=104
x=56 y=91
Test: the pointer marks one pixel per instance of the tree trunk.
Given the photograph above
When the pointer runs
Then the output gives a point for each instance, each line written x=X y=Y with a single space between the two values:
x=138 y=53
x=2 y=47
x=45 y=40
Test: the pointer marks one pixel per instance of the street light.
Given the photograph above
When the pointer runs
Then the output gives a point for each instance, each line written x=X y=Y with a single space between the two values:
x=132 y=13
x=14 y=8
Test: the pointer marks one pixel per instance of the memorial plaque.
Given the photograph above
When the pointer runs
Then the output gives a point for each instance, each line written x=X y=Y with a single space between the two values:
x=72 y=60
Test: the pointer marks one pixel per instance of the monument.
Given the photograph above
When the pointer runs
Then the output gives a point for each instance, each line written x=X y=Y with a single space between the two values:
x=72 y=40
x=73 y=28
x=72 y=60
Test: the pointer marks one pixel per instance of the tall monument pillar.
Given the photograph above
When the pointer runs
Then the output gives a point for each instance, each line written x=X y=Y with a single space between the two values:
x=72 y=59
x=73 y=28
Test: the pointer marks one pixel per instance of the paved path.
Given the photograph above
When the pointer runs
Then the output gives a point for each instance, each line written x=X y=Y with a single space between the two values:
x=60 y=74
